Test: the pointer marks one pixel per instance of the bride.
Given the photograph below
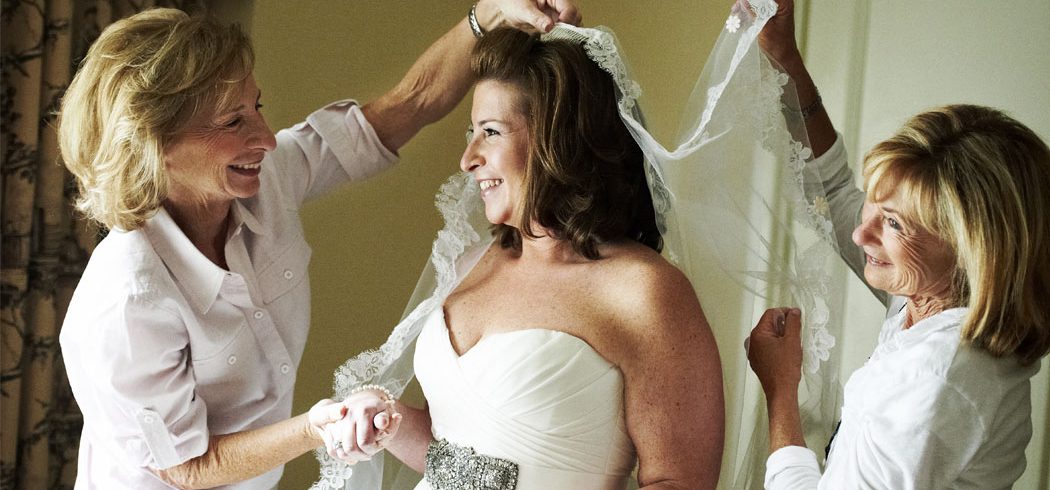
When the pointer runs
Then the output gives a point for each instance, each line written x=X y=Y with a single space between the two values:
x=571 y=347
x=555 y=345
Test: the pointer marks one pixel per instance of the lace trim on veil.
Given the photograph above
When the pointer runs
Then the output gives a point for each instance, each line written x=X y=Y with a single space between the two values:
x=452 y=201
x=765 y=114
x=457 y=201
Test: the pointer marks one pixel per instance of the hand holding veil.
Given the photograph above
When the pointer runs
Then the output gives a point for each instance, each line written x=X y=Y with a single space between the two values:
x=736 y=204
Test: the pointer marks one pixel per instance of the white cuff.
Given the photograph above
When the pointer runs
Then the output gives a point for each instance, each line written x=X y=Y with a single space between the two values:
x=828 y=164
x=792 y=467
x=353 y=141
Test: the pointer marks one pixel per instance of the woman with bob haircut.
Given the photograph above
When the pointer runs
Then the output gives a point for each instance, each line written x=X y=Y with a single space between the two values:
x=954 y=235
x=183 y=338
x=572 y=348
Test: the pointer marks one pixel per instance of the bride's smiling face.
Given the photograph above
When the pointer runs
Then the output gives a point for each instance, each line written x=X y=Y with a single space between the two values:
x=497 y=150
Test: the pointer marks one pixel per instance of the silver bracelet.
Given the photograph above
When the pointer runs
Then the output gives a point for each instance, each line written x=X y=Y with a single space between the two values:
x=382 y=389
x=472 y=19
x=812 y=108
x=809 y=110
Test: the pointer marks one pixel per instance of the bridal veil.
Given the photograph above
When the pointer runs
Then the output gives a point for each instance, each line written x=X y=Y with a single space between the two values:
x=741 y=215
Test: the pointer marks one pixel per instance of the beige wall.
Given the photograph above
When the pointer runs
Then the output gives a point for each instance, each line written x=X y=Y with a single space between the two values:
x=371 y=240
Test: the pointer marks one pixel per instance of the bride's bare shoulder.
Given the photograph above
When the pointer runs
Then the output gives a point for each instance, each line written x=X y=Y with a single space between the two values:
x=652 y=308
x=638 y=282
x=630 y=268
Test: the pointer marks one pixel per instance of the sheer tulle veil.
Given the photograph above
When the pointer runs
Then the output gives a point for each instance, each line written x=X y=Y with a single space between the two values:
x=741 y=215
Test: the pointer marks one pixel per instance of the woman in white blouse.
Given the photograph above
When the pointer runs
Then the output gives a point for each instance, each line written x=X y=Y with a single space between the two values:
x=184 y=335
x=953 y=228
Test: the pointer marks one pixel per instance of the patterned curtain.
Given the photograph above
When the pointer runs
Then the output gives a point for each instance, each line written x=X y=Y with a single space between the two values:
x=45 y=244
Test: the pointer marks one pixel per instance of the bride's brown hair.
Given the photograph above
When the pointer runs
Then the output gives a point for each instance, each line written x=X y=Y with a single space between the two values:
x=584 y=179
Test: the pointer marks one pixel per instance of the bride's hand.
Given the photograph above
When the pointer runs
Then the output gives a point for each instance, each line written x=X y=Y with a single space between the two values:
x=371 y=420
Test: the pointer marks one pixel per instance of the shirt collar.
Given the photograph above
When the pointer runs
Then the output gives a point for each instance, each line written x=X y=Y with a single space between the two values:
x=242 y=215
x=947 y=319
x=198 y=278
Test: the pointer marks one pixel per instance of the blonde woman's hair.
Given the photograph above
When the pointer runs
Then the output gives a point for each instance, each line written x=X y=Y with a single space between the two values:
x=980 y=181
x=139 y=84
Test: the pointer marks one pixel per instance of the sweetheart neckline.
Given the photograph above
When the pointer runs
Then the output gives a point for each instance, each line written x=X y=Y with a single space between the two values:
x=458 y=356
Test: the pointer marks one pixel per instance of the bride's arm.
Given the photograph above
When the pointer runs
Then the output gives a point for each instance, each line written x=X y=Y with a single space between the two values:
x=410 y=442
x=674 y=404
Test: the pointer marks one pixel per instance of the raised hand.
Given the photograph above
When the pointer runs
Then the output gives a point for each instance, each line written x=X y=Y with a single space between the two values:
x=774 y=350
x=777 y=38
x=526 y=15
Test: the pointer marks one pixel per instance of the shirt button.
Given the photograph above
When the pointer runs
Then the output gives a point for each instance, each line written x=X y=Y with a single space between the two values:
x=288 y=274
x=148 y=419
x=258 y=315
x=285 y=369
x=232 y=360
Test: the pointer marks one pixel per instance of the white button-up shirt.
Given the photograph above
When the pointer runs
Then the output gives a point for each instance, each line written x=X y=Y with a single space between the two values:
x=925 y=412
x=164 y=349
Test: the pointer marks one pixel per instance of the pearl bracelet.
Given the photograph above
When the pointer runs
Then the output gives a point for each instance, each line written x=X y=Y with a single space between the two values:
x=386 y=392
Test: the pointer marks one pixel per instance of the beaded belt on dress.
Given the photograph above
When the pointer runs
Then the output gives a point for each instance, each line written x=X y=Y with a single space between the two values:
x=450 y=466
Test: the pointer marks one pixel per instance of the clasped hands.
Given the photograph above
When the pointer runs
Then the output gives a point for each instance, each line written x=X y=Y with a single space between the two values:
x=357 y=428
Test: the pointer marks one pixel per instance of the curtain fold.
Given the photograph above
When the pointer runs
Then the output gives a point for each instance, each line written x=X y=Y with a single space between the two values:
x=45 y=243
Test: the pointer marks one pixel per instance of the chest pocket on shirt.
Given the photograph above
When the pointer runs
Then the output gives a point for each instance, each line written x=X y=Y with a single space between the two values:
x=225 y=355
x=233 y=380
x=221 y=331
x=287 y=271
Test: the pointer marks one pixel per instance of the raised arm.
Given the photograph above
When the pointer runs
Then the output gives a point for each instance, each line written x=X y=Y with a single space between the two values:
x=777 y=40
x=845 y=200
x=774 y=350
x=441 y=76
x=904 y=434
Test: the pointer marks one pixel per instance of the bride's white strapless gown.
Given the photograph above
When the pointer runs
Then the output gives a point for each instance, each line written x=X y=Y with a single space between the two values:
x=540 y=398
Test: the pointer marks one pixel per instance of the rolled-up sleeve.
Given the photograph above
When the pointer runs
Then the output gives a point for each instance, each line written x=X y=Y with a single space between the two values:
x=792 y=467
x=143 y=384
x=334 y=145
